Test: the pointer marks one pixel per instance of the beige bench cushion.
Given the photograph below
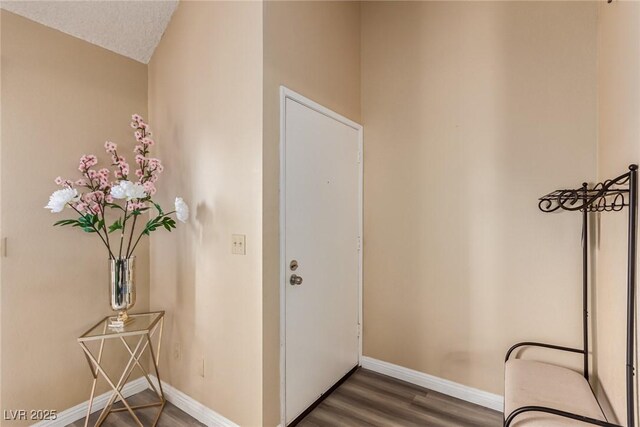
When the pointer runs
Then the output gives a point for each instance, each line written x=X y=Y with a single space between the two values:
x=530 y=383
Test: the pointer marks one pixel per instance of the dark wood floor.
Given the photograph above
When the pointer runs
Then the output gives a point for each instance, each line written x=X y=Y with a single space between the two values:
x=365 y=399
x=171 y=416
x=370 y=399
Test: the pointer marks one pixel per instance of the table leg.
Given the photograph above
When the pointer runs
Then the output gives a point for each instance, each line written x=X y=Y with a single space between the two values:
x=116 y=390
x=137 y=361
x=121 y=382
x=94 y=373
x=155 y=367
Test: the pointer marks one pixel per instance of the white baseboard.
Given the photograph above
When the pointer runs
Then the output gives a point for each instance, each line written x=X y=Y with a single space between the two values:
x=78 y=412
x=450 y=388
x=187 y=404
x=211 y=418
x=192 y=407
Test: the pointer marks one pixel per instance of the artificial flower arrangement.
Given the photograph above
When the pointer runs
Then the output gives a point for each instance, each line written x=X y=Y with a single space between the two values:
x=130 y=197
x=104 y=190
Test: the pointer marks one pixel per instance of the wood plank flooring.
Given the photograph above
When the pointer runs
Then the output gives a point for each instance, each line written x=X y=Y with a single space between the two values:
x=371 y=399
x=171 y=416
x=365 y=399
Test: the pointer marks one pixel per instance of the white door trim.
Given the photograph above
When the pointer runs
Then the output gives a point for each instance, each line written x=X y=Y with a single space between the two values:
x=294 y=96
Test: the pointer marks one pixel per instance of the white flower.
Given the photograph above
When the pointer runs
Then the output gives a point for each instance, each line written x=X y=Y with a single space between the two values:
x=128 y=190
x=182 y=210
x=60 y=198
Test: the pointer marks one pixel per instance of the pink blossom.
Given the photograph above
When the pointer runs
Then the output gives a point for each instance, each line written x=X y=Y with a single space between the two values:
x=64 y=182
x=96 y=196
x=136 y=205
x=149 y=187
x=122 y=171
x=87 y=161
x=138 y=135
x=136 y=117
x=154 y=163
x=108 y=198
x=110 y=147
x=148 y=141
x=139 y=149
x=81 y=207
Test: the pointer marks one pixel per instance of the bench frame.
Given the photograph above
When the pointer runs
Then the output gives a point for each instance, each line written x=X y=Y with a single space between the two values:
x=610 y=195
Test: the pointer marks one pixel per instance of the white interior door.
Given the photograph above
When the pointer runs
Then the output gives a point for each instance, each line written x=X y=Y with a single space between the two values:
x=321 y=234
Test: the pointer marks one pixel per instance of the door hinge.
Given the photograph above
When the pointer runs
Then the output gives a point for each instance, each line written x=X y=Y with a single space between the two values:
x=359 y=330
x=359 y=156
x=359 y=243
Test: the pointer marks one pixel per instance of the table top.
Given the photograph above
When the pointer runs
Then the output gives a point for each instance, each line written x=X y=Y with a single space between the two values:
x=140 y=324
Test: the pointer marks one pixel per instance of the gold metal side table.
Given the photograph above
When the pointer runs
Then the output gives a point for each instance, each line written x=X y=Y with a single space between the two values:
x=141 y=329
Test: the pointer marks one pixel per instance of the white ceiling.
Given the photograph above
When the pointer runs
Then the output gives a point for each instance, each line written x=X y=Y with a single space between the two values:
x=130 y=28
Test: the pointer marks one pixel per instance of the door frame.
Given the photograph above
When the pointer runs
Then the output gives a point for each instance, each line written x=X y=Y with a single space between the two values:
x=285 y=94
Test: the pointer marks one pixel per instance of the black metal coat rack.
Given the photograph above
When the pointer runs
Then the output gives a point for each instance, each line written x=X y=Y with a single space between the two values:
x=609 y=196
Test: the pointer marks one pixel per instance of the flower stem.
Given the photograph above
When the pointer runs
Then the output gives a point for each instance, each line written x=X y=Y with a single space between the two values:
x=124 y=228
x=98 y=232
x=142 y=233
x=104 y=220
x=133 y=227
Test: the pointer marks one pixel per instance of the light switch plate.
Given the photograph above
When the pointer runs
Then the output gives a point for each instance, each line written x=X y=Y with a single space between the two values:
x=238 y=244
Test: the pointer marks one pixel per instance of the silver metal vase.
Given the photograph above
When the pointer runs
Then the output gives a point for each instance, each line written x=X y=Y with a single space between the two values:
x=122 y=286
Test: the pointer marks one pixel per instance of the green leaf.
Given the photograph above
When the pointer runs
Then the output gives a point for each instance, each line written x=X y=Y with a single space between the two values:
x=116 y=225
x=115 y=206
x=66 y=222
x=160 y=211
x=139 y=211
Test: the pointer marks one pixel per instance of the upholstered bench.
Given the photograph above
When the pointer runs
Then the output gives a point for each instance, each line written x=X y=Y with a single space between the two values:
x=536 y=384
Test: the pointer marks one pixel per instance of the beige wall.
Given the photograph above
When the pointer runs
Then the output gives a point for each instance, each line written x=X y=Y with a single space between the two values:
x=472 y=110
x=618 y=146
x=205 y=91
x=314 y=49
x=61 y=98
x=466 y=107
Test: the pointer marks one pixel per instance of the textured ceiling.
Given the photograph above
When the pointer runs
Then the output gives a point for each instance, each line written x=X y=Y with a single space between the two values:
x=130 y=28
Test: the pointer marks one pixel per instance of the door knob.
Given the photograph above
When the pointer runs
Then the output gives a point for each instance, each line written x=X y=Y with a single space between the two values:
x=295 y=280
